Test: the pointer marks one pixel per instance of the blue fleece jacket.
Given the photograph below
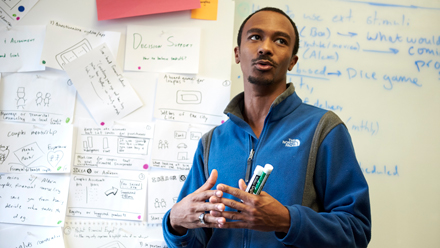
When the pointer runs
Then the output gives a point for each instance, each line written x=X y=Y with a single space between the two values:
x=343 y=218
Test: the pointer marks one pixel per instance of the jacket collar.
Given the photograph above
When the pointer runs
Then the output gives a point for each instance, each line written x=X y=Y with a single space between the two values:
x=283 y=105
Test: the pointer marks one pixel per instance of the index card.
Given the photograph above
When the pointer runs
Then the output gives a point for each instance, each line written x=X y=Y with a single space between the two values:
x=32 y=236
x=33 y=199
x=158 y=49
x=101 y=85
x=35 y=149
x=12 y=11
x=21 y=48
x=64 y=43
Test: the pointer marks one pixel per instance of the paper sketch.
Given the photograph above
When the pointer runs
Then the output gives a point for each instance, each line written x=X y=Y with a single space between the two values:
x=31 y=236
x=35 y=149
x=45 y=97
x=191 y=99
x=175 y=144
x=12 y=11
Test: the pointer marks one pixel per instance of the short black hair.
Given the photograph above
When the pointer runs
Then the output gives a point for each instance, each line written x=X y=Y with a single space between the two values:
x=296 y=45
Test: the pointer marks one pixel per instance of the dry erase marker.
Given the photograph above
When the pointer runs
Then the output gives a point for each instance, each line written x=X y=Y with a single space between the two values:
x=263 y=178
x=253 y=182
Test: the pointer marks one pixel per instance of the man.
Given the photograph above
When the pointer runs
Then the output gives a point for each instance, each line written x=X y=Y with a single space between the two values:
x=316 y=195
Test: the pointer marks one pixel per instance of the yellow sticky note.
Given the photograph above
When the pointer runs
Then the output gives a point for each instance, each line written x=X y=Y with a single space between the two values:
x=207 y=11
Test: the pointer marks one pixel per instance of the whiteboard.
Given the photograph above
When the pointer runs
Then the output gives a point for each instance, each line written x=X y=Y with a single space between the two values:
x=388 y=57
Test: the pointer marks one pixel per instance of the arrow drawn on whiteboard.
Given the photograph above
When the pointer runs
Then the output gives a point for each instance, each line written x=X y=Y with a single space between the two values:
x=390 y=50
x=351 y=34
x=113 y=191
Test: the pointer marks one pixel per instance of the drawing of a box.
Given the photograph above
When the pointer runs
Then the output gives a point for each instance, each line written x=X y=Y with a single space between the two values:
x=189 y=97
x=73 y=52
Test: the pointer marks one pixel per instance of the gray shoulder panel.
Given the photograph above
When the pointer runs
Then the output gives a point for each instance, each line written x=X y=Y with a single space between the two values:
x=206 y=143
x=328 y=121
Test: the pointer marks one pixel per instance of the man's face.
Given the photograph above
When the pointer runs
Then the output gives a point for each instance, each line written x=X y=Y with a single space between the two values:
x=265 y=53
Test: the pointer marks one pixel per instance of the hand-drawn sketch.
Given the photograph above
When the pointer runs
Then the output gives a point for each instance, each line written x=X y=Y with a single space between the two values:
x=39 y=99
x=182 y=146
x=4 y=153
x=180 y=134
x=182 y=178
x=195 y=135
x=28 y=154
x=163 y=144
x=182 y=156
x=46 y=99
x=189 y=97
x=111 y=191
x=73 y=52
x=21 y=102
x=54 y=157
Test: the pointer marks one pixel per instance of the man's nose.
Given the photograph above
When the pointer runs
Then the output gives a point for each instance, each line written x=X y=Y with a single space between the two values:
x=266 y=47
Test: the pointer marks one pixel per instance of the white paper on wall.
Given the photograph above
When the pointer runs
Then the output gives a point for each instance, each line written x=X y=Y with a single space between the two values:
x=158 y=49
x=163 y=191
x=119 y=147
x=28 y=148
x=46 y=97
x=100 y=84
x=65 y=42
x=175 y=144
x=21 y=48
x=31 y=236
x=12 y=11
x=33 y=199
x=191 y=99
x=107 y=193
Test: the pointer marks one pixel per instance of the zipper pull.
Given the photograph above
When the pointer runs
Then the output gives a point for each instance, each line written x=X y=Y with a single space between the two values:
x=249 y=165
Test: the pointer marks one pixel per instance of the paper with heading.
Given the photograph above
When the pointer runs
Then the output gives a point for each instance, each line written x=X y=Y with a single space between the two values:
x=12 y=11
x=33 y=199
x=21 y=48
x=175 y=144
x=191 y=99
x=158 y=49
x=35 y=149
x=107 y=193
x=64 y=43
x=31 y=236
x=163 y=191
x=207 y=11
x=101 y=85
x=119 y=9
x=116 y=148
x=113 y=234
x=46 y=97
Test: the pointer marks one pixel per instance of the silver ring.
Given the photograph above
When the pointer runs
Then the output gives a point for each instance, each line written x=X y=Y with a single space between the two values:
x=202 y=218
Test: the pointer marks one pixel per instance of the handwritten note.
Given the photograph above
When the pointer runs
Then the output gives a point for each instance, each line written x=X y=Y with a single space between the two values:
x=21 y=236
x=191 y=99
x=21 y=48
x=12 y=11
x=65 y=42
x=46 y=97
x=33 y=199
x=115 y=148
x=175 y=144
x=113 y=234
x=101 y=85
x=155 y=49
x=163 y=191
x=119 y=9
x=35 y=149
x=207 y=10
x=107 y=193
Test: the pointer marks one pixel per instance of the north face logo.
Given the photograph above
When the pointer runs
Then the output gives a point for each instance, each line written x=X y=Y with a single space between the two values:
x=291 y=143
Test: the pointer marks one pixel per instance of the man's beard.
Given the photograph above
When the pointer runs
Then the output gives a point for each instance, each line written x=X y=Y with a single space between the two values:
x=260 y=81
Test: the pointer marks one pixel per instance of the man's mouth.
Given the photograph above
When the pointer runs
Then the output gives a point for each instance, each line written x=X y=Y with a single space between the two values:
x=263 y=65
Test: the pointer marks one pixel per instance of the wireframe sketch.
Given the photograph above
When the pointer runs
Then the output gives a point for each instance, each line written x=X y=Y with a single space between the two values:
x=195 y=135
x=28 y=154
x=54 y=157
x=179 y=134
x=39 y=99
x=4 y=153
x=73 y=52
x=88 y=144
x=189 y=97
x=47 y=100
x=111 y=191
x=182 y=146
x=21 y=102
x=113 y=244
x=11 y=3
x=182 y=156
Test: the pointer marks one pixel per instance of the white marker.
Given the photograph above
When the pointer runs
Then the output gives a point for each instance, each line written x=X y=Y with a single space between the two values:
x=263 y=178
x=253 y=182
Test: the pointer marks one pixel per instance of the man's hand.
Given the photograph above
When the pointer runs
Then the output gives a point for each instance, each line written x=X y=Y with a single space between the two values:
x=258 y=212
x=185 y=214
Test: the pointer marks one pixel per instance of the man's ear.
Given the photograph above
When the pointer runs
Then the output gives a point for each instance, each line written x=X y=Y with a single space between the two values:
x=237 y=56
x=293 y=62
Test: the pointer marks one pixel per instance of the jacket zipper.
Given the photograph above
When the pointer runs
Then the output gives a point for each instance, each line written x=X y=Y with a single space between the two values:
x=249 y=166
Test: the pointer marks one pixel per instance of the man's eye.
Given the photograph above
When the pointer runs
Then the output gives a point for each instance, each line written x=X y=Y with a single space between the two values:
x=255 y=37
x=281 y=41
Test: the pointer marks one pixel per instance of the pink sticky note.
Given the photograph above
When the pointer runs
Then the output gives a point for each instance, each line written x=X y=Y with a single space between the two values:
x=113 y=9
